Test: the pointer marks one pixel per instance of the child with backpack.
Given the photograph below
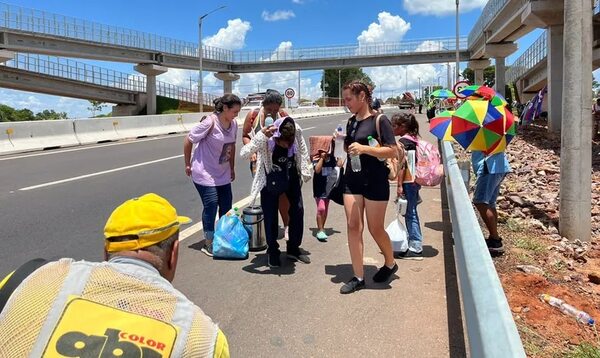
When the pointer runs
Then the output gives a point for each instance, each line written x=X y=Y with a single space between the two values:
x=409 y=181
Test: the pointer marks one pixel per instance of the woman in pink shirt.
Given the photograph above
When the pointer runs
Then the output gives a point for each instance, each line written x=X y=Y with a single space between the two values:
x=212 y=165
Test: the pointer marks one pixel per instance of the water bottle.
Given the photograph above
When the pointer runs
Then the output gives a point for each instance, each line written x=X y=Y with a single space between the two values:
x=339 y=142
x=268 y=121
x=580 y=316
x=355 y=162
x=402 y=205
x=374 y=143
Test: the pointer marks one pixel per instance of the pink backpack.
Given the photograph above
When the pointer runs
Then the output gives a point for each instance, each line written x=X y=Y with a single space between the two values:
x=429 y=170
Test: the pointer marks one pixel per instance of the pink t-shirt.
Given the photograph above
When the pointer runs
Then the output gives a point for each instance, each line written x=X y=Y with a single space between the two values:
x=214 y=150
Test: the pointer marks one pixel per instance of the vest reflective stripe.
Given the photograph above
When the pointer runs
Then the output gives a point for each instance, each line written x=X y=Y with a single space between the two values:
x=74 y=283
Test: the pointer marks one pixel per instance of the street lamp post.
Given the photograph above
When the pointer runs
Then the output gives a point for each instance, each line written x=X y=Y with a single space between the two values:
x=420 y=94
x=200 y=95
x=299 y=97
x=457 y=56
x=340 y=87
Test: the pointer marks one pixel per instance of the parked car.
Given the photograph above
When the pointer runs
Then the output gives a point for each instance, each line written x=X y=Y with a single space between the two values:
x=308 y=105
x=252 y=105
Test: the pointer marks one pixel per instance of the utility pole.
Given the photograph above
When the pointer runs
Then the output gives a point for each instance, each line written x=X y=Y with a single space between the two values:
x=200 y=95
x=340 y=87
x=457 y=54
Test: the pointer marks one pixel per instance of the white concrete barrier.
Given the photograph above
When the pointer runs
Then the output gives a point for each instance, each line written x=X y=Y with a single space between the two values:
x=36 y=135
x=144 y=126
x=97 y=130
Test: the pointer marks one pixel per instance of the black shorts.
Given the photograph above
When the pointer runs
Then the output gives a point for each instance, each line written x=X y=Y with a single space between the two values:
x=374 y=187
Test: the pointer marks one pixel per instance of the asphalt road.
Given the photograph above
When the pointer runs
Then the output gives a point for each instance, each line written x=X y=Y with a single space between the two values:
x=66 y=219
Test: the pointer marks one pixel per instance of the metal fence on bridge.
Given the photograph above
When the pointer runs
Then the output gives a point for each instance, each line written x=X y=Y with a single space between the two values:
x=31 y=20
x=84 y=72
x=535 y=54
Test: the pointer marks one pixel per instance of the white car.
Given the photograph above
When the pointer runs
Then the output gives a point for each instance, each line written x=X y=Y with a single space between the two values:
x=252 y=105
x=308 y=105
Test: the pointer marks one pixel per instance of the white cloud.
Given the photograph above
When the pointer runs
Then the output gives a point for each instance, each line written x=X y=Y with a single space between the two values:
x=391 y=28
x=299 y=2
x=232 y=37
x=428 y=46
x=179 y=77
x=441 y=7
x=278 y=15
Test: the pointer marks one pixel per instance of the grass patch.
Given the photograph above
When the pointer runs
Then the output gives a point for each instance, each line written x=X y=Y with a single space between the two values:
x=585 y=350
x=175 y=111
x=530 y=244
x=514 y=225
x=525 y=259
x=534 y=344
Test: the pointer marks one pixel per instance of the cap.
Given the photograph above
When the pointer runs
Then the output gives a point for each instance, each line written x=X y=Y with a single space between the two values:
x=150 y=218
x=278 y=123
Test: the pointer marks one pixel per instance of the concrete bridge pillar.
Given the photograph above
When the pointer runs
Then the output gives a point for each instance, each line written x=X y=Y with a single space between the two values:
x=555 y=76
x=151 y=71
x=500 y=81
x=499 y=52
x=478 y=66
x=227 y=78
x=576 y=142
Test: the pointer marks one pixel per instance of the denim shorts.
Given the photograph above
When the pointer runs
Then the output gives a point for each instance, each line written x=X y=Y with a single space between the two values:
x=487 y=188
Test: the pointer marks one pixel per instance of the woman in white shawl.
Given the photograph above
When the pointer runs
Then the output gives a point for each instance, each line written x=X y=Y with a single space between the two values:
x=282 y=163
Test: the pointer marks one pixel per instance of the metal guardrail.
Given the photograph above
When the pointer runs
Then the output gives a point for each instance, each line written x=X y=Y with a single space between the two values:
x=42 y=22
x=346 y=51
x=536 y=53
x=83 y=72
x=491 y=330
x=490 y=11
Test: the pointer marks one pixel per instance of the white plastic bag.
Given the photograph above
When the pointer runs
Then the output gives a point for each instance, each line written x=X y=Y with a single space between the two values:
x=398 y=235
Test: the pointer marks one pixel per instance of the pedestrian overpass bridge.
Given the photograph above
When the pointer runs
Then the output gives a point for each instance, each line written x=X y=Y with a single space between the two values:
x=501 y=23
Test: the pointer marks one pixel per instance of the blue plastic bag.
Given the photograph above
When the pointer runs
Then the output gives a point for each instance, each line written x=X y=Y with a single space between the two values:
x=231 y=238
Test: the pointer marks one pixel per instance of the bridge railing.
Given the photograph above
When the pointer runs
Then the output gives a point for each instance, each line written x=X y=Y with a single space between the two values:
x=31 y=20
x=490 y=325
x=84 y=72
x=77 y=71
x=535 y=54
x=345 y=51
x=490 y=11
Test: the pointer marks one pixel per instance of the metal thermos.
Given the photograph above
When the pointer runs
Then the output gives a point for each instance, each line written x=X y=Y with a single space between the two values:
x=254 y=223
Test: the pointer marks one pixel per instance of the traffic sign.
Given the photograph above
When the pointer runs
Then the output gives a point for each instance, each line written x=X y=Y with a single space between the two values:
x=459 y=86
x=290 y=93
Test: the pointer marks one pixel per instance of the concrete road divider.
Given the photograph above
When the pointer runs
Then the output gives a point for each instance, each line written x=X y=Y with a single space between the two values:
x=36 y=135
x=97 y=130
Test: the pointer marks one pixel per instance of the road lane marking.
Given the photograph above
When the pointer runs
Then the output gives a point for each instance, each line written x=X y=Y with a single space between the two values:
x=309 y=128
x=197 y=227
x=93 y=146
x=99 y=173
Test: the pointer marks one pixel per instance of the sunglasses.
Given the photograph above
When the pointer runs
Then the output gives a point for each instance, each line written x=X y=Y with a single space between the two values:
x=354 y=126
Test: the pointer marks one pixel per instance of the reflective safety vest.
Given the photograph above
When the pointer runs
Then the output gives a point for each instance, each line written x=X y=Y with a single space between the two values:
x=120 y=308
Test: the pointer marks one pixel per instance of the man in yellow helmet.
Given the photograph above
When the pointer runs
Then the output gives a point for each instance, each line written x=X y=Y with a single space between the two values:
x=123 y=307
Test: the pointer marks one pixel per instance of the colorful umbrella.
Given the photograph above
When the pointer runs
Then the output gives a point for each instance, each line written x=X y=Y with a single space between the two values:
x=480 y=125
x=441 y=126
x=443 y=93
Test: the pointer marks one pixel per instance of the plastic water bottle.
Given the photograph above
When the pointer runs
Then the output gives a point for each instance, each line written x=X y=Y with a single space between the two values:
x=233 y=212
x=339 y=142
x=580 y=316
x=355 y=162
x=402 y=205
x=374 y=143
x=269 y=120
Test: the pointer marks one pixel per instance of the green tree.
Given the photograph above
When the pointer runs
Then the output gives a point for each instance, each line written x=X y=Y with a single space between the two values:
x=95 y=106
x=50 y=115
x=489 y=75
x=332 y=77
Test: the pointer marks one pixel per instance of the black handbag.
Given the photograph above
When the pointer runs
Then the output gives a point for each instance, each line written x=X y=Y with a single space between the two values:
x=335 y=187
x=278 y=181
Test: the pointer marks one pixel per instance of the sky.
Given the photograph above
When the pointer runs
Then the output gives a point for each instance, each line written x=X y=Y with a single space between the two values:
x=269 y=25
